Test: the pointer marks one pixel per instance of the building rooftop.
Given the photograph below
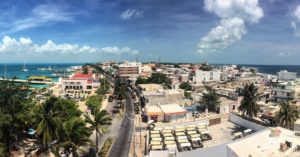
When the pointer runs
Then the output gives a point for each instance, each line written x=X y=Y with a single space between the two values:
x=154 y=110
x=172 y=109
x=82 y=76
x=151 y=87
x=264 y=144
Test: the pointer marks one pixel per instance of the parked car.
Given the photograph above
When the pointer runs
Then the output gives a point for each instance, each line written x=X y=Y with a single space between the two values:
x=196 y=114
x=110 y=98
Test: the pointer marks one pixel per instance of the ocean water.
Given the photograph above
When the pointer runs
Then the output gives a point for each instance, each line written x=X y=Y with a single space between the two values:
x=15 y=70
x=273 y=69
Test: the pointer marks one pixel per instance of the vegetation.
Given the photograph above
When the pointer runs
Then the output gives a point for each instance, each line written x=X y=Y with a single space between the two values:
x=206 y=68
x=58 y=122
x=99 y=123
x=97 y=68
x=210 y=99
x=15 y=115
x=73 y=134
x=94 y=103
x=248 y=105
x=85 y=70
x=105 y=148
x=104 y=88
x=287 y=115
x=141 y=80
x=53 y=121
x=157 y=78
x=185 y=86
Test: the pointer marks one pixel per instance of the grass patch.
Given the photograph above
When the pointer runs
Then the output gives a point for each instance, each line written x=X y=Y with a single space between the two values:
x=105 y=148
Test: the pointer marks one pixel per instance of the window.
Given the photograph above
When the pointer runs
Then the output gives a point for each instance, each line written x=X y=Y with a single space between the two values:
x=88 y=87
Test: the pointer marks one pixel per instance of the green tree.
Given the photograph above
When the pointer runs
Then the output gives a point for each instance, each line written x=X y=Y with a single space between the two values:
x=185 y=86
x=48 y=121
x=160 y=78
x=104 y=88
x=287 y=115
x=50 y=118
x=74 y=134
x=85 y=70
x=248 y=105
x=141 y=80
x=94 y=102
x=14 y=113
x=210 y=98
x=206 y=68
x=99 y=123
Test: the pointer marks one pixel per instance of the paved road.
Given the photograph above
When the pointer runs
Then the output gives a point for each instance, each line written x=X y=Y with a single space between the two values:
x=122 y=143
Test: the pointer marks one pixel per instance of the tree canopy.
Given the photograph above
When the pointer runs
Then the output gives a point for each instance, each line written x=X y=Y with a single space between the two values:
x=94 y=102
x=157 y=78
x=210 y=99
x=248 y=105
x=287 y=115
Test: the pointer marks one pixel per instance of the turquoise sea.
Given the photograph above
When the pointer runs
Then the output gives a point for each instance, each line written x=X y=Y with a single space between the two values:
x=15 y=70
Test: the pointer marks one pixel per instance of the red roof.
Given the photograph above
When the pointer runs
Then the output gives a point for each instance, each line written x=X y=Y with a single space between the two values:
x=82 y=76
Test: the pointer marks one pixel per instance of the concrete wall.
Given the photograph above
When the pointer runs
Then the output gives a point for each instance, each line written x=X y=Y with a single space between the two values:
x=245 y=123
x=230 y=153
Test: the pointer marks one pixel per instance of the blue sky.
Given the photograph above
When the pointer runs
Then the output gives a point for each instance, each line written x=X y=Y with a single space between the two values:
x=217 y=31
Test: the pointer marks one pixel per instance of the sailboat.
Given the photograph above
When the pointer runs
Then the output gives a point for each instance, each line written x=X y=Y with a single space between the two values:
x=24 y=68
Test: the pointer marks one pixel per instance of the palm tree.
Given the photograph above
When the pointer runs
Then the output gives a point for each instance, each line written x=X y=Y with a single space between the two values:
x=48 y=121
x=121 y=94
x=101 y=120
x=210 y=99
x=287 y=115
x=75 y=134
x=248 y=105
x=14 y=109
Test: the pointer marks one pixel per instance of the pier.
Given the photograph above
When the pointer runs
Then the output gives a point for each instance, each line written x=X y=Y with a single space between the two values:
x=27 y=81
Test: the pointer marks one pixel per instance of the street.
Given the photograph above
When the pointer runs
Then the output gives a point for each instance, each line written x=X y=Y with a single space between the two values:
x=121 y=145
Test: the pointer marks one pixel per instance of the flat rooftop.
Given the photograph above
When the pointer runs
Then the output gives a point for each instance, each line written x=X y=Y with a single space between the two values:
x=151 y=87
x=263 y=144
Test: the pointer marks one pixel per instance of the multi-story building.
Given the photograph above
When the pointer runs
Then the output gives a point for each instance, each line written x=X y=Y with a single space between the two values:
x=129 y=69
x=80 y=84
x=146 y=70
x=283 y=92
x=285 y=75
x=206 y=76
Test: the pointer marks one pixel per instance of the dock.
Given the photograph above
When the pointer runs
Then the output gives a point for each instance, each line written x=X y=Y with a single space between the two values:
x=27 y=81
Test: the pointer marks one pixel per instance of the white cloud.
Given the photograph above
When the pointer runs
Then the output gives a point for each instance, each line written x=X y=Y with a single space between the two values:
x=234 y=14
x=284 y=54
x=116 y=50
x=296 y=22
x=41 y=15
x=25 y=45
x=226 y=33
x=131 y=13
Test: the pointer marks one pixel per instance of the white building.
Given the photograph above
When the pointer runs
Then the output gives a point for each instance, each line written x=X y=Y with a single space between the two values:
x=166 y=113
x=285 y=75
x=205 y=76
x=277 y=142
x=283 y=92
x=80 y=84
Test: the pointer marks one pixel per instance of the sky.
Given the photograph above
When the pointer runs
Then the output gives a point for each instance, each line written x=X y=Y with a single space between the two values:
x=217 y=31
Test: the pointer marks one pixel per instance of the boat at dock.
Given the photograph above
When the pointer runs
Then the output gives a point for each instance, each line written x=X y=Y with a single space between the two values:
x=24 y=68
x=45 y=69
